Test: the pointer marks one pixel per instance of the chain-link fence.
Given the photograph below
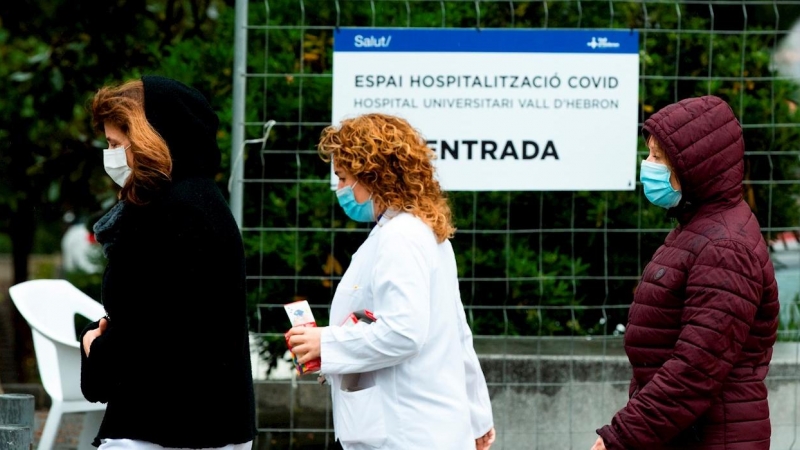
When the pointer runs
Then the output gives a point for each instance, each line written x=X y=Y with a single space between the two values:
x=546 y=277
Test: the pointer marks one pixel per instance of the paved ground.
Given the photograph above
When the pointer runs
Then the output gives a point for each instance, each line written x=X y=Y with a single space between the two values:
x=67 y=438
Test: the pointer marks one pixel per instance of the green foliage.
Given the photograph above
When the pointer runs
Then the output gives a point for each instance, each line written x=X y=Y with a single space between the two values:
x=53 y=56
x=789 y=328
x=5 y=244
x=549 y=260
x=530 y=263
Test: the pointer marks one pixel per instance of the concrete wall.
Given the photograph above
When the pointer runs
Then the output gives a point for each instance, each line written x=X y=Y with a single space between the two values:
x=557 y=402
x=545 y=395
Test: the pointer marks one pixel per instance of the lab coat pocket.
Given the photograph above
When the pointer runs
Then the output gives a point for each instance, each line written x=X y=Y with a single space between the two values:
x=358 y=417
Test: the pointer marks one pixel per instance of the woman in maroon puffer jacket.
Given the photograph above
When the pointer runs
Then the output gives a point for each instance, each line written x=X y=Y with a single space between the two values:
x=704 y=316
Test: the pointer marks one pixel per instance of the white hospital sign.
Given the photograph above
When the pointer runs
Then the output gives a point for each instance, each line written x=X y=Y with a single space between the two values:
x=504 y=110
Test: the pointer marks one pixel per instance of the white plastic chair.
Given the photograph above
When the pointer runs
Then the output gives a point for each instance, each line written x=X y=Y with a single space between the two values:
x=49 y=307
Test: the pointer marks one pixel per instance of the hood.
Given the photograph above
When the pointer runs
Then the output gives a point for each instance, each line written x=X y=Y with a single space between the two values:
x=703 y=140
x=185 y=120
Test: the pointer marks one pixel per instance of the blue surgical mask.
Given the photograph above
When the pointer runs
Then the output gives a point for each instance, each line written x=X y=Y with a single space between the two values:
x=657 y=188
x=360 y=212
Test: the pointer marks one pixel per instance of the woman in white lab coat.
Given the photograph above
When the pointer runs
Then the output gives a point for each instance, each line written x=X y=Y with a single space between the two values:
x=411 y=379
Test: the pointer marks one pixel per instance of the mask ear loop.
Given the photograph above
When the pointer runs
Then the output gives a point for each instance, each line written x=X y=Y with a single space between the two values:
x=349 y=187
x=368 y=198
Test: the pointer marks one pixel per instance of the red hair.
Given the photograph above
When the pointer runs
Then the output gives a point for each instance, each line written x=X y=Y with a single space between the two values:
x=123 y=106
x=389 y=157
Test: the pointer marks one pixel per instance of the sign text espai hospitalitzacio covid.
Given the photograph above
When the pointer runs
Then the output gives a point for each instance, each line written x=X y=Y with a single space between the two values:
x=504 y=110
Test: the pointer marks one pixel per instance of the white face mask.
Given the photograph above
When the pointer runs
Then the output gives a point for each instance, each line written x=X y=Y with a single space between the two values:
x=116 y=164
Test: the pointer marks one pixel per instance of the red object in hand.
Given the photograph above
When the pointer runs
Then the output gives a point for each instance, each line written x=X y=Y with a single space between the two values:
x=312 y=366
x=300 y=315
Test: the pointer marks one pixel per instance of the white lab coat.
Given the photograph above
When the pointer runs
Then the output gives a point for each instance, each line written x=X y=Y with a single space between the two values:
x=421 y=384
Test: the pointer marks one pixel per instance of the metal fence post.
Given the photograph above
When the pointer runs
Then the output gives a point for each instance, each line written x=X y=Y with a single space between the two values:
x=16 y=421
x=237 y=127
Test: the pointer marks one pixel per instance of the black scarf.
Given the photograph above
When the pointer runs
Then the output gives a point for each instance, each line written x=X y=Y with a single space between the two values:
x=107 y=228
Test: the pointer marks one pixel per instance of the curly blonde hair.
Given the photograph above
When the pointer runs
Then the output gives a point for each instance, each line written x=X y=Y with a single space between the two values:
x=391 y=159
x=123 y=106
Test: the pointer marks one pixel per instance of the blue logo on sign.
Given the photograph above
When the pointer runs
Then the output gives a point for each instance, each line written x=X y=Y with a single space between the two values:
x=372 y=42
x=602 y=42
x=298 y=312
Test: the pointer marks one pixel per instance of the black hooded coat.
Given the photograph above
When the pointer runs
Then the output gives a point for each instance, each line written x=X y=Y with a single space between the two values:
x=173 y=365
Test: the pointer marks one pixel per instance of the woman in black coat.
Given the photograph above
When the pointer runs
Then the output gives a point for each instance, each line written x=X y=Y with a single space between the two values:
x=171 y=358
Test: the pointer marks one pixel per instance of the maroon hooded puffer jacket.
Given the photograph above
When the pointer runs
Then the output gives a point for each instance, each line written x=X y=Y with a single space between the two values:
x=704 y=316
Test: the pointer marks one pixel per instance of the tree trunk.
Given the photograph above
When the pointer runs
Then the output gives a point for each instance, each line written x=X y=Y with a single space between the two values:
x=21 y=231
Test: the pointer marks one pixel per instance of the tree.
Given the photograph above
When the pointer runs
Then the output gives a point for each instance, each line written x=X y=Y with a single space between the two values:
x=55 y=54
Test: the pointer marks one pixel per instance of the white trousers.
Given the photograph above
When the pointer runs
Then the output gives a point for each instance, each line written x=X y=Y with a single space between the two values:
x=129 y=444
